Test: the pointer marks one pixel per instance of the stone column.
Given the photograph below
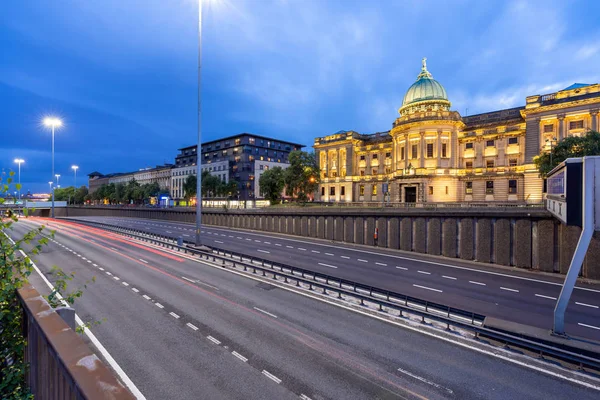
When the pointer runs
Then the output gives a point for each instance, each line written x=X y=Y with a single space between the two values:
x=594 y=115
x=561 y=128
x=406 y=150
x=439 y=148
x=422 y=150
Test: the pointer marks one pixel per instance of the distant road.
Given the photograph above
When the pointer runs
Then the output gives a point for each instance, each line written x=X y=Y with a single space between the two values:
x=512 y=295
x=184 y=330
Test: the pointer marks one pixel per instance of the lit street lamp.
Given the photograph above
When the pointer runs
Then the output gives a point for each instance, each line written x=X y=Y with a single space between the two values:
x=57 y=178
x=551 y=142
x=74 y=168
x=19 y=161
x=51 y=190
x=198 y=241
x=52 y=123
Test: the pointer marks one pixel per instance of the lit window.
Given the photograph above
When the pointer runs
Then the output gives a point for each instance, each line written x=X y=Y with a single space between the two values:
x=512 y=186
x=444 y=151
x=262 y=167
x=332 y=191
x=238 y=141
x=446 y=189
x=362 y=157
x=251 y=140
x=489 y=143
x=362 y=172
x=388 y=155
x=548 y=128
x=375 y=156
x=512 y=162
x=489 y=187
x=429 y=150
x=469 y=165
x=513 y=140
x=430 y=189
x=374 y=190
x=374 y=171
x=469 y=145
x=402 y=153
x=414 y=151
x=576 y=124
x=361 y=190
x=468 y=187
x=489 y=163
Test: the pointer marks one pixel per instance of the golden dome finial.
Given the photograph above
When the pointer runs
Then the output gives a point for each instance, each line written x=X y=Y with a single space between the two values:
x=424 y=61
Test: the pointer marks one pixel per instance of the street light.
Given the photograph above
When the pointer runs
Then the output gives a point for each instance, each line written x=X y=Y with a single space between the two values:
x=198 y=240
x=74 y=168
x=19 y=161
x=53 y=123
x=57 y=178
x=551 y=143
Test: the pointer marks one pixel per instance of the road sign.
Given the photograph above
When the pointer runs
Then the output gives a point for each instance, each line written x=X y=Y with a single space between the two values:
x=564 y=184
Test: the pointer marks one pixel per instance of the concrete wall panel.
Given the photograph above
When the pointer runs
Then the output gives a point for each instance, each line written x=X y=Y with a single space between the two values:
x=420 y=235
x=434 y=236
x=449 y=244
x=502 y=242
x=483 y=245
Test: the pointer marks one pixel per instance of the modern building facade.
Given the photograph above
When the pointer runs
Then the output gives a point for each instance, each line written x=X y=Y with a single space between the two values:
x=243 y=158
x=433 y=154
x=160 y=174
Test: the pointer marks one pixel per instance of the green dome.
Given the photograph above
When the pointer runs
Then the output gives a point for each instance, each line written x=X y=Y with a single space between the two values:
x=425 y=88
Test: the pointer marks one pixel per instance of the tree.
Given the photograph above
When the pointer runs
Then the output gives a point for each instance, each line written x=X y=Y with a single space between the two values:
x=189 y=187
x=80 y=195
x=272 y=183
x=231 y=189
x=572 y=146
x=302 y=176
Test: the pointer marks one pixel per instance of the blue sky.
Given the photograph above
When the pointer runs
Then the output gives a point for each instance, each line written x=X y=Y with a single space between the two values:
x=122 y=73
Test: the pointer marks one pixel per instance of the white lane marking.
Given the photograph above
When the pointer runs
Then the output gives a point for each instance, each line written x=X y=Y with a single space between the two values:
x=424 y=272
x=172 y=314
x=109 y=359
x=135 y=290
x=345 y=257
x=116 y=278
x=238 y=355
x=83 y=258
x=169 y=232
x=114 y=248
x=89 y=261
x=448 y=277
x=361 y=260
x=304 y=397
x=315 y=251
x=223 y=235
x=230 y=236
x=267 y=242
x=218 y=241
x=290 y=247
x=426 y=381
x=188 y=279
x=589 y=326
x=545 y=297
x=194 y=327
x=186 y=235
x=101 y=269
x=509 y=289
x=125 y=283
x=159 y=305
x=271 y=376
x=248 y=239
x=257 y=241
x=265 y=312
x=328 y=254
x=586 y=305
x=327 y=265
x=146 y=297
x=238 y=237
x=277 y=244
x=477 y=283
x=428 y=288
x=382 y=264
x=263 y=251
x=108 y=273
x=301 y=249
x=402 y=268
x=144 y=261
x=212 y=339
x=424 y=262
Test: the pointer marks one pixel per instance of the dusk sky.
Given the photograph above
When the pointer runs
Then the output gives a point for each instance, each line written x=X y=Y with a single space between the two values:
x=122 y=73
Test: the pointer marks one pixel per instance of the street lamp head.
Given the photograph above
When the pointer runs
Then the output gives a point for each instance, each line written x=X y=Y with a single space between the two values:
x=19 y=160
x=52 y=122
x=57 y=175
x=74 y=167
x=50 y=183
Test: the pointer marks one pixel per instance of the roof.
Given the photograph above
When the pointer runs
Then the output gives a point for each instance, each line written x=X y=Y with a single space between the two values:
x=425 y=88
x=576 y=86
x=494 y=117
x=247 y=134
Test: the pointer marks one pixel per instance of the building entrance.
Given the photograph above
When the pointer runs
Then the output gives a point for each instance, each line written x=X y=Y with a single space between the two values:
x=410 y=194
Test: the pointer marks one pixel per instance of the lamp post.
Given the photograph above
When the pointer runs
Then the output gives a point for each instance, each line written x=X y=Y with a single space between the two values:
x=551 y=143
x=52 y=123
x=51 y=190
x=74 y=168
x=198 y=240
x=19 y=161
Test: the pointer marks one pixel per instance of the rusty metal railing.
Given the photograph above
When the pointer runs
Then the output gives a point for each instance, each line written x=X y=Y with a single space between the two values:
x=61 y=365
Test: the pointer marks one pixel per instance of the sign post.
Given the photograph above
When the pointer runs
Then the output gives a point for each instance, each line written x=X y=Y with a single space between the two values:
x=574 y=198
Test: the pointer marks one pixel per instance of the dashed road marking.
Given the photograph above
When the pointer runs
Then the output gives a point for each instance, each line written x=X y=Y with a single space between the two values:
x=361 y=260
x=586 y=305
x=144 y=261
x=116 y=278
x=290 y=247
x=146 y=297
x=402 y=268
x=509 y=289
x=134 y=289
x=424 y=272
x=301 y=249
x=448 y=277
x=265 y=312
x=428 y=288
x=589 y=326
x=345 y=257
x=271 y=376
x=477 y=283
x=315 y=251
x=382 y=264
x=545 y=297
x=101 y=269
x=425 y=381
x=277 y=244
x=212 y=339
x=172 y=314
x=304 y=397
x=263 y=251
x=108 y=273
x=125 y=283
x=238 y=355
x=218 y=241
x=267 y=242
x=188 y=279
x=159 y=305
x=194 y=327
x=329 y=254
x=257 y=241
x=327 y=265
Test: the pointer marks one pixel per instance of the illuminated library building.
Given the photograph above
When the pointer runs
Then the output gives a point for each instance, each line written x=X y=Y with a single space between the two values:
x=433 y=154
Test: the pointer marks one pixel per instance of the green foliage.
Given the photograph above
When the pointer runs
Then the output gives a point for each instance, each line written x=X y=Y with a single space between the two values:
x=572 y=146
x=118 y=193
x=71 y=194
x=190 y=186
x=272 y=183
x=303 y=175
x=15 y=269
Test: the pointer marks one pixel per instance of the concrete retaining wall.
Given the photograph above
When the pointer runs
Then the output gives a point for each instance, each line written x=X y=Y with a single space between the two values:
x=525 y=238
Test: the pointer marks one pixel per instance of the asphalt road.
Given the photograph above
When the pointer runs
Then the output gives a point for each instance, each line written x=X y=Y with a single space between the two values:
x=512 y=295
x=185 y=330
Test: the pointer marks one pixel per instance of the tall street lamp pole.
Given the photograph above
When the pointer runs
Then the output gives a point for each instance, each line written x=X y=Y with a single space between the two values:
x=198 y=240
x=19 y=161
x=52 y=123
x=74 y=168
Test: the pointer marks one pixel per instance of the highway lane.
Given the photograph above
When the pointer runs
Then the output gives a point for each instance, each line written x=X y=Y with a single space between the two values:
x=193 y=331
x=511 y=295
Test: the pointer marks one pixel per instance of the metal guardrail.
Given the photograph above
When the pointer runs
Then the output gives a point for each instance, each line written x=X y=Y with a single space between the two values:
x=425 y=310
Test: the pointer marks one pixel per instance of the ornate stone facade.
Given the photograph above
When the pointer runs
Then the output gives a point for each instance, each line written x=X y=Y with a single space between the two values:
x=433 y=154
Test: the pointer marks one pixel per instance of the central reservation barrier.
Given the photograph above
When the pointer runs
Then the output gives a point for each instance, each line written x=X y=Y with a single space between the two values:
x=527 y=238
